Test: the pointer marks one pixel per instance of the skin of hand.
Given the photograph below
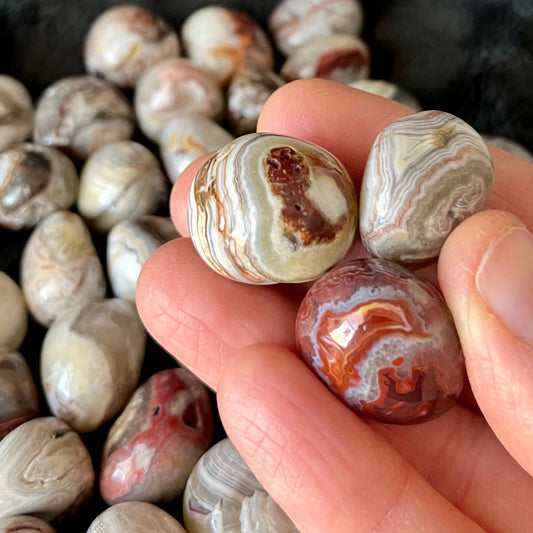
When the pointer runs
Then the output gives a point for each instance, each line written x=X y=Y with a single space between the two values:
x=330 y=470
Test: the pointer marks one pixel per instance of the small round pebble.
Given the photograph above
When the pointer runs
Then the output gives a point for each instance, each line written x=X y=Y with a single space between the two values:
x=13 y=314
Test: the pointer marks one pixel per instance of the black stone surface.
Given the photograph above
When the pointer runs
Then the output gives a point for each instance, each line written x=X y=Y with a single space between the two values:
x=473 y=58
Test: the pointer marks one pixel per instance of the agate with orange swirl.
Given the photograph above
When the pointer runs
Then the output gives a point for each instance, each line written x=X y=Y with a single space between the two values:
x=270 y=209
x=383 y=341
x=425 y=174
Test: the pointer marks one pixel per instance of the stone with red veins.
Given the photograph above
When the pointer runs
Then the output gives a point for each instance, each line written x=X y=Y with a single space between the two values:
x=155 y=443
x=342 y=58
x=271 y=209
x=383 y=341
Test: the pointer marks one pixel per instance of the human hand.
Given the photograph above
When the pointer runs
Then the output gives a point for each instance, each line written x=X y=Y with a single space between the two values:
x=329 y=469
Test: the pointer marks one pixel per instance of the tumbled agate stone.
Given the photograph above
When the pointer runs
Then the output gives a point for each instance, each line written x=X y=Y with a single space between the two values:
x=135 y=517
x=425 y=174
x=269 y=208
x=129 y=244
x=154 y=444
x=13 y=314
x=25 y=524
x=16 y=112
x=222 y=494
x=18 y=396
x=60 y=267
x=91 y=361
x=46 y=470
x=383 y=341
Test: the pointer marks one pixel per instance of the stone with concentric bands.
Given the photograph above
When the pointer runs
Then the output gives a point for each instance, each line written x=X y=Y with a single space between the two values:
x=426 y=173
x=272 y=209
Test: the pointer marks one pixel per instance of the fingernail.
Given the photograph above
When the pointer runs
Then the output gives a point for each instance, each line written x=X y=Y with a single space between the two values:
x=505 y=280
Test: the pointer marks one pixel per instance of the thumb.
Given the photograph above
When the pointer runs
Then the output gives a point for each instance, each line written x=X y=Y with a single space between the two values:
x=486 y=275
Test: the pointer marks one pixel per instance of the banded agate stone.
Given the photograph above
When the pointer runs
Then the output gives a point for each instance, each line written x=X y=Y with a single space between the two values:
x=425 y=174
x=383 y=341
x=270 y=209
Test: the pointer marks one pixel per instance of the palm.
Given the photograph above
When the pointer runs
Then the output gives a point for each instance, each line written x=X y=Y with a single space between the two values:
x=331 y=470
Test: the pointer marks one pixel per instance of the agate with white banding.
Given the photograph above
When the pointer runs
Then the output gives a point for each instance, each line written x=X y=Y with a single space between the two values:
x=46 y=470
x=340 y=57
x=184 y=139
x=175 y=88
x=154 y=444
x=270 y=209
x=246 y=95
x=222 y=494
x=120 y=181
x=16 y=112
x=25 y=524
x=388 y=90
x=135 y=517
x=129 y=244
x=509 y=145
x=124 y=41
x=425 y=174
x=60 y=267
x=34 y=181
x=13 y=314
x=91 y=361
x=18 y=396
x=295 y=22
x=81 y=113
x=220 y=39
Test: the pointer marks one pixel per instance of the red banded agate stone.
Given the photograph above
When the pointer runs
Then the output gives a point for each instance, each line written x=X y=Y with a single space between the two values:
x=383 y=341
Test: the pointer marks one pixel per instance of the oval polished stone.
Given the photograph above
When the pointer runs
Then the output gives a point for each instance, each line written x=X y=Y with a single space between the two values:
x=154 y=444
x=269 y=209
x=25 y=524
x=124 y=41
x=383 y=341
x=129 y=244
x=91 y=361
x=135 y=517
x=18 y=395
x=13 y=314
x=46 y=470
x=60 y=267
x=425 y=174
x=222 y=494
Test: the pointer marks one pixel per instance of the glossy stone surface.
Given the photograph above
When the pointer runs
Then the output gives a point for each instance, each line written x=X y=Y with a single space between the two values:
x=513 y=147
x=269 y=209
x=120 y=181
x=184 y=139
x=124 y=41
x=154 y=444
x=19 y=401
x=60 y=267
x=34 y=181
x=425 y=174
x=220 y=39
x=16 y=112
x=25 y=524
x=46 y=470
x=135 y=517
x=389 y=90
x=340 y=57
x=91 y=361
x=246 y=95
x=13 y=314
x=383 y=341
x=222 y=494
x=175 y=88
x=293 y=23
x=129 y=244
x=81 y=113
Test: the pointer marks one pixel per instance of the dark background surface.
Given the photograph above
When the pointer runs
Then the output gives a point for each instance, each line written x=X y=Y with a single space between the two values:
x=473 y=58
